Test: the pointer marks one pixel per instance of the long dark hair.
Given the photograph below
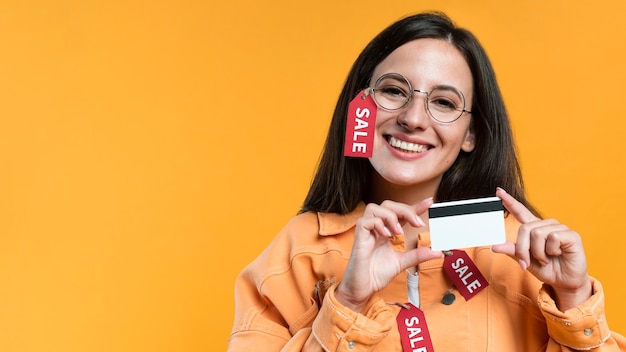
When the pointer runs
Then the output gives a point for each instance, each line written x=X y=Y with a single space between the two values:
x=340 y=182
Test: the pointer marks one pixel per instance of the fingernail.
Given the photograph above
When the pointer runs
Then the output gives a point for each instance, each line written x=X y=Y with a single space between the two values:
x=419 y=220
x=523 y=265
x=502 y=189
x=399 y=228
x=387 y=232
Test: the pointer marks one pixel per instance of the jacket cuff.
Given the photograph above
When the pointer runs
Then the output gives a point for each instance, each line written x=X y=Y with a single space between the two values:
x=583 y=327
x=337 y=328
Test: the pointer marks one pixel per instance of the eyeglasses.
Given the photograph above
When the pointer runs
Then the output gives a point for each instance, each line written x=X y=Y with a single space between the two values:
x=393 y=91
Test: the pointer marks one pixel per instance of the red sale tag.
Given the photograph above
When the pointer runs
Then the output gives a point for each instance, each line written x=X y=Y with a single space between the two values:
x=413 y=330
x=360 y=126
x=464 y=274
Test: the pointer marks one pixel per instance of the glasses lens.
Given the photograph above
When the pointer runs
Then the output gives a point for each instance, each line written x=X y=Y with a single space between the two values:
x=446 y=104
x=392 y=91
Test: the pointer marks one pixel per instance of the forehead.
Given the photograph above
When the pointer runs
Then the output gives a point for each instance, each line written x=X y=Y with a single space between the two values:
x=427 y=63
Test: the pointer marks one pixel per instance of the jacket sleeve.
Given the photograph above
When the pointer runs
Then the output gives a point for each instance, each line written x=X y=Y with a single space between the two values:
x=331 y=328
x=582 y=328
x=260 y=325
x=338 y=328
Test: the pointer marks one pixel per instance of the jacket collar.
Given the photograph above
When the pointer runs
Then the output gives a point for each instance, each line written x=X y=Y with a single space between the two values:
x=333 y=223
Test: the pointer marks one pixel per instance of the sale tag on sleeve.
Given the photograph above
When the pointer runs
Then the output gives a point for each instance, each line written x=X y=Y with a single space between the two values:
x=360 y=126
x=413 y=329
x=464 y=274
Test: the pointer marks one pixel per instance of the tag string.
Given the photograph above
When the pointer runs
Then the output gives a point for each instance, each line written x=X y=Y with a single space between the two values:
x=402 y=305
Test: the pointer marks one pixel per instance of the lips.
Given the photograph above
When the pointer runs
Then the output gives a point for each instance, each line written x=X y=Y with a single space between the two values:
x=407 y=147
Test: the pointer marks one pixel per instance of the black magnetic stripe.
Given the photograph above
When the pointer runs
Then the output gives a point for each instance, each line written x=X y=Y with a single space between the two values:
x=461 y=209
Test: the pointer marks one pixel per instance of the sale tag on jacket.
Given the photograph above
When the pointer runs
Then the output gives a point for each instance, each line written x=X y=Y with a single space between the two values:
x=360 y=126
x=464 y=273
x=413 y=329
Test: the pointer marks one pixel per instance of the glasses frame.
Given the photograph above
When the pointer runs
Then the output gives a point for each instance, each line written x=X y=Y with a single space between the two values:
x=412 y=91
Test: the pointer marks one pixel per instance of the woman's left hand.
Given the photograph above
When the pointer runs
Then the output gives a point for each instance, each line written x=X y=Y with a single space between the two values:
x=549 y=250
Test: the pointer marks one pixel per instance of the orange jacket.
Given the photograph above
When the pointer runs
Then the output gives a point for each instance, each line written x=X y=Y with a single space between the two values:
x=284 y=301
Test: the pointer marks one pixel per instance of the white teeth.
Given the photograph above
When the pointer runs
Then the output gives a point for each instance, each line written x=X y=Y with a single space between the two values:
x=407 y=146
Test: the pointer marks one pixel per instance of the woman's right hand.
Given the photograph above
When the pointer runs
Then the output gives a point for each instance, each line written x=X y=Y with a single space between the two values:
x=373 y=262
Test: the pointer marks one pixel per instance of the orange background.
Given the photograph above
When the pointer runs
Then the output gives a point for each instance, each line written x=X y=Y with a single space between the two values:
x=151 y=149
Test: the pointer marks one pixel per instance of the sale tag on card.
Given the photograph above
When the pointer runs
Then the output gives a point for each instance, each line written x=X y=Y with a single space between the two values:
x=466 y=223
x=360 y=126
x=413 y=330
x=464 y=274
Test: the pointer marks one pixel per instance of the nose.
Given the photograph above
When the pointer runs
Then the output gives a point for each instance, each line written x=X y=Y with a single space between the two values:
x=415 y=114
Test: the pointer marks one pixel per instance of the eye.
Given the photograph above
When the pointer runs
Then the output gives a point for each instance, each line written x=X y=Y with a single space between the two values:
x=442 y=103
x=445 y=100
x=393 y=92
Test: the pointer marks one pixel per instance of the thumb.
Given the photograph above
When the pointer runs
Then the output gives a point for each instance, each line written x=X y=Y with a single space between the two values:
x=418 y=255
x=508 y=248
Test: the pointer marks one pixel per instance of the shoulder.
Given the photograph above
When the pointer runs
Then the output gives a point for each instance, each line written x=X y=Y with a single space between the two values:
x=313 y=228
x=309 y=239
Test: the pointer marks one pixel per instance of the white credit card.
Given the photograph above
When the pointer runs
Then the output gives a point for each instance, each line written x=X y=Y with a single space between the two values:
x=466 y=223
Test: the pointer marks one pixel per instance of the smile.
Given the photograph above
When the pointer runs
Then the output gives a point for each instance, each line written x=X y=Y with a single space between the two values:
x=407 y=146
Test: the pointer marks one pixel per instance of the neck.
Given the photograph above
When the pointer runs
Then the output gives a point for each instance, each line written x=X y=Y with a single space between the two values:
x=381 y=190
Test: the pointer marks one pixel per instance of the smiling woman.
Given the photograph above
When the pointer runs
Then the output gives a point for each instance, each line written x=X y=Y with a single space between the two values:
x=355 y=269
x=152 y=149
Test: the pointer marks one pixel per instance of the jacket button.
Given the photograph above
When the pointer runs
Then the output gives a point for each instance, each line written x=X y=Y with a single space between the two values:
x=351 y=344
x=588 y=332
x=448 y=298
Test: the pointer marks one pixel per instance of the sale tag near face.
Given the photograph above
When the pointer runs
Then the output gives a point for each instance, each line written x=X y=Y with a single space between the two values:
x=413 y=330
x=360 y=126
x=466 y=223
x=464 y=274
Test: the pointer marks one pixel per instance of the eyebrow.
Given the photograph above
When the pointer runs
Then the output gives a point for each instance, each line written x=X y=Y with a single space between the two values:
x=448 y=87
x=400 y=80
x=396 y=79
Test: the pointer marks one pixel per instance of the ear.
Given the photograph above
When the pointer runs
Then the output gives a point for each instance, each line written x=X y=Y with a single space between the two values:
x=470 y=141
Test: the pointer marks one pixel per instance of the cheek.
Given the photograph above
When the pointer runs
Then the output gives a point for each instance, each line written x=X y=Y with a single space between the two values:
x=385 y=117
x=454 y=135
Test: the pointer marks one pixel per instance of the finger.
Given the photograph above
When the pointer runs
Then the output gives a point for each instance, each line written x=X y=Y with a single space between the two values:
x=553 y=244
x=538 y=249
x=519 y=211
x=530 y=244
x=563 y=241
x=404 y=212
x=418 y=255
x=389 y=220
x=373 y=225
x=422 y=206
x=509 y=249
x=539 y=233
x=522 y=246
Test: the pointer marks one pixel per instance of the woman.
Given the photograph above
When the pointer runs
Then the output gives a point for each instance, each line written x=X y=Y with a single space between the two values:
x=343 y=274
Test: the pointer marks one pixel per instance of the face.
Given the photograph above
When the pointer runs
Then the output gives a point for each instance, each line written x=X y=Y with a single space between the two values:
x=410 y=147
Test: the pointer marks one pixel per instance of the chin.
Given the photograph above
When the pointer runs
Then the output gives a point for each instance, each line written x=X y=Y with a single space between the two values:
x=404 y=180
